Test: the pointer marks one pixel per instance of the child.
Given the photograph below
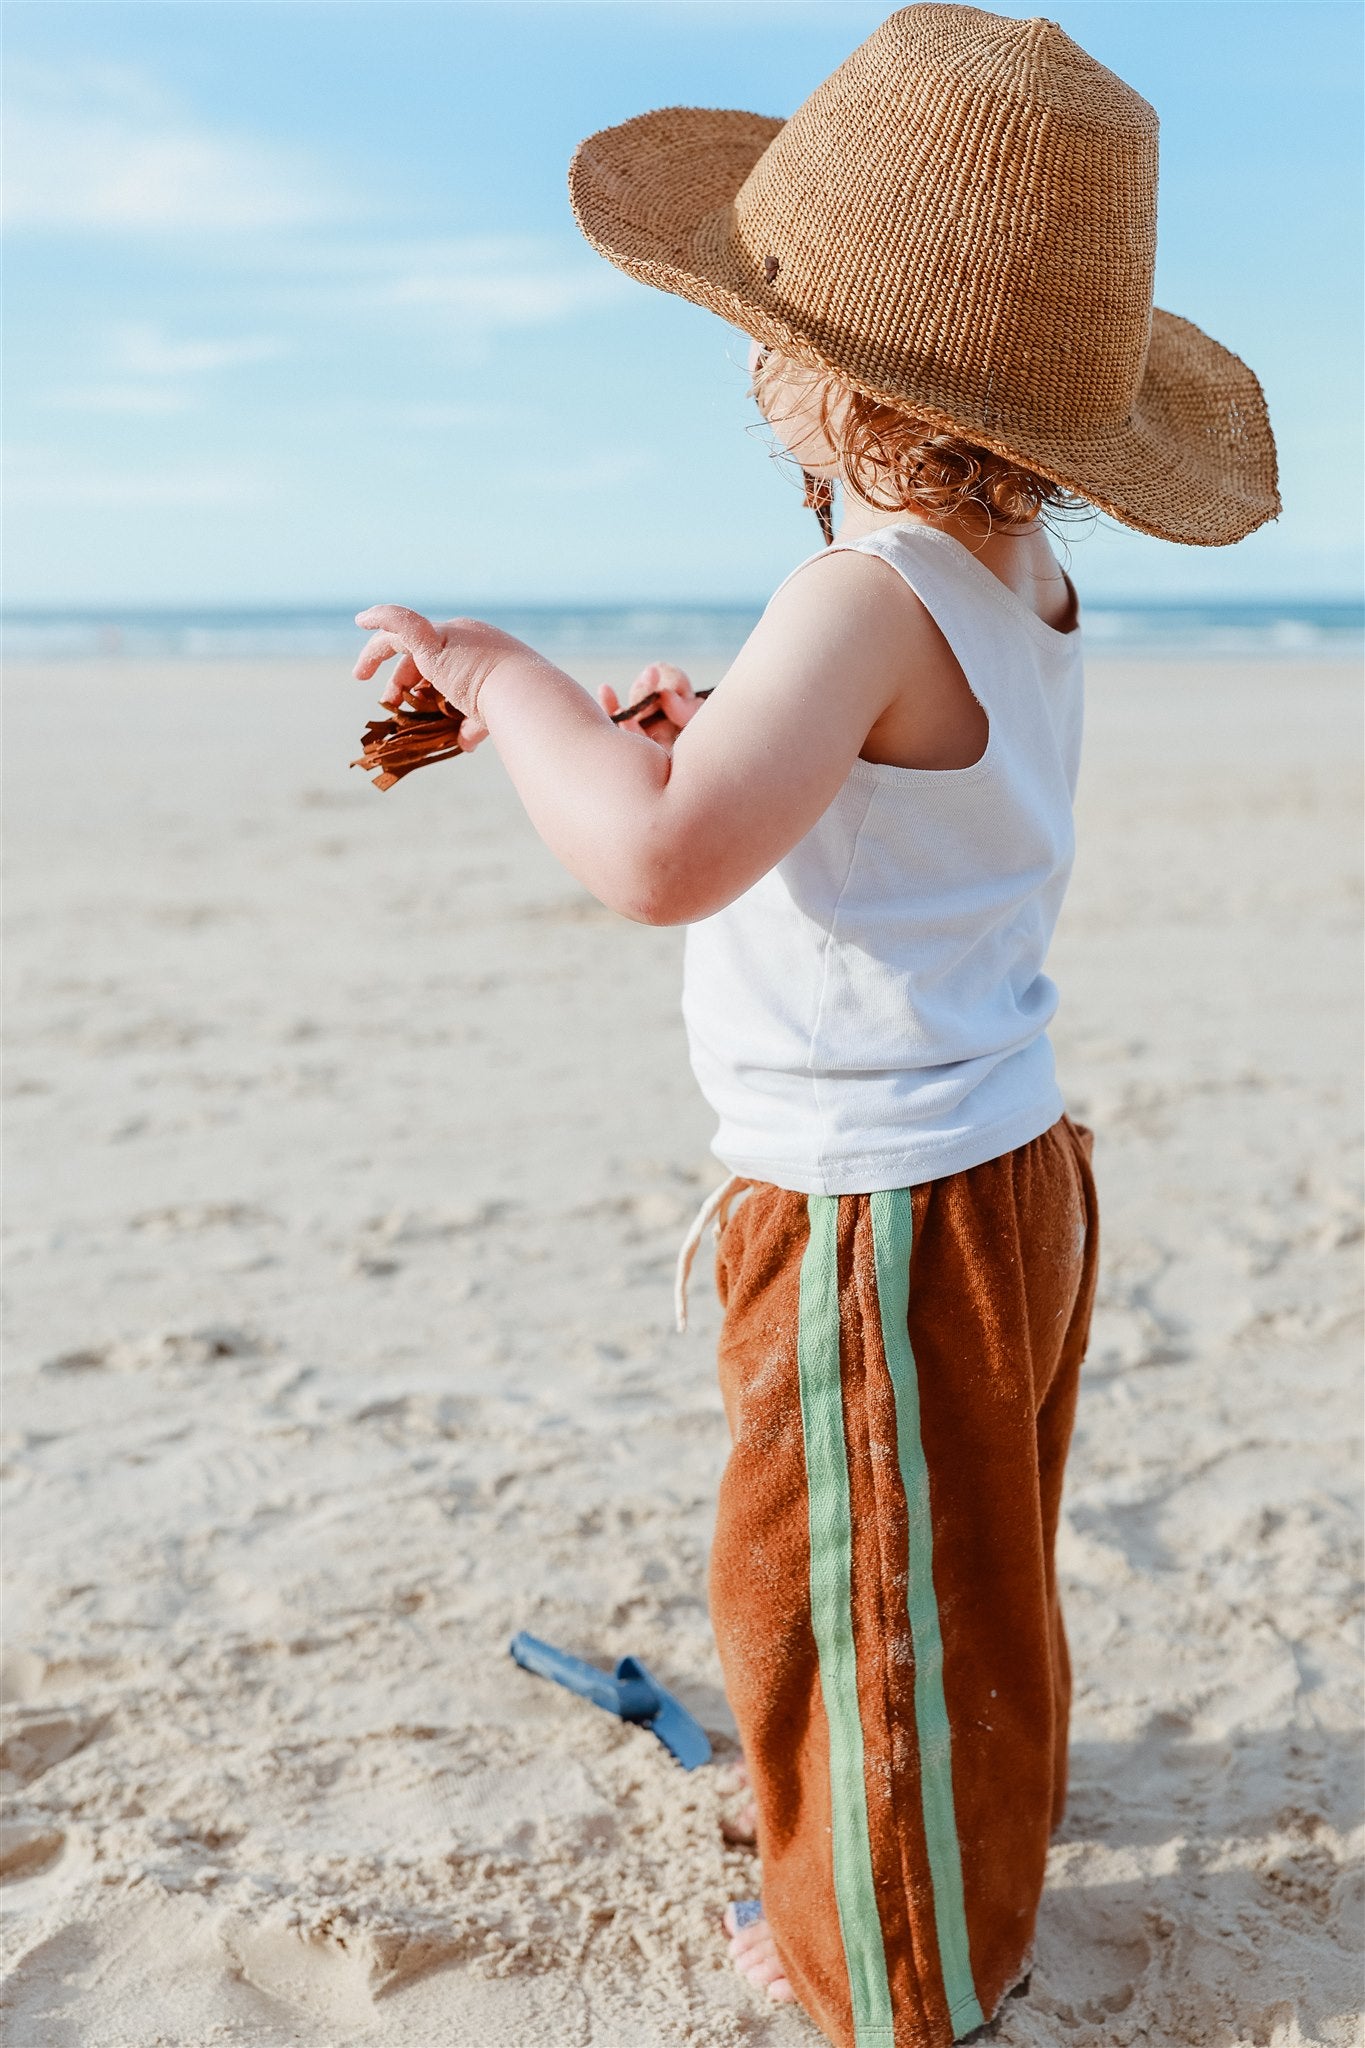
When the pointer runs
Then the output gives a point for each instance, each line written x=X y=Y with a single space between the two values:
x=945 y=261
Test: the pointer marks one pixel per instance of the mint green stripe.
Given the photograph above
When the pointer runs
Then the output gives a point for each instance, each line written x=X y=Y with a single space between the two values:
x=831 y=1592
x=891 y=1237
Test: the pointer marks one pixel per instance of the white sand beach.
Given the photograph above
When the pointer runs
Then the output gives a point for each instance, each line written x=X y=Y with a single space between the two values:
x=350 y=1144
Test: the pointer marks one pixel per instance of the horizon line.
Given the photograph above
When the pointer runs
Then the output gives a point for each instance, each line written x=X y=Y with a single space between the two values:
x=88 y=608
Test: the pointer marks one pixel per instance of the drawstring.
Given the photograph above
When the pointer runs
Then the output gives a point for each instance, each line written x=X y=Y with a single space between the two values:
x=708 y=1212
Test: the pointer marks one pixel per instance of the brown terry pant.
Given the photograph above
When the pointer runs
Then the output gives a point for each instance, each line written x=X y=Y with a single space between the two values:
x=899 y=1373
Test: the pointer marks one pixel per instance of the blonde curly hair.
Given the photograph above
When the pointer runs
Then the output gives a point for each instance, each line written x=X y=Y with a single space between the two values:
x=902 y=464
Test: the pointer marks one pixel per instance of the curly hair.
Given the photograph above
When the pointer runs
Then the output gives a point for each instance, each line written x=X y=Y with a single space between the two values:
x=901 y=464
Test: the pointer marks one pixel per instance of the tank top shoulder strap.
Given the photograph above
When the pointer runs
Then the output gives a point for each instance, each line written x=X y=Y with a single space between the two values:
x=980 y=617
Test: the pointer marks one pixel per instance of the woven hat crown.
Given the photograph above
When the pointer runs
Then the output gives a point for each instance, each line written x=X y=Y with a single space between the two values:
x=969 y=202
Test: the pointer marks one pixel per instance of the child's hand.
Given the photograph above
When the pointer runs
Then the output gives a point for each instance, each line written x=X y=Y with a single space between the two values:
x=677 y=703
x=452 y=661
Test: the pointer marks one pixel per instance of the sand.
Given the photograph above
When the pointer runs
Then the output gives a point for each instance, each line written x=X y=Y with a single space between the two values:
x=350 y=1145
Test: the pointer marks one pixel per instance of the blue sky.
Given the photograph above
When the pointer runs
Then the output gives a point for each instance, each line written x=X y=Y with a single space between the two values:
x=297 y=312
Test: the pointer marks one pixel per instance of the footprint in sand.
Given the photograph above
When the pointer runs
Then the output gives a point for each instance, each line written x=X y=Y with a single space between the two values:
x=182 y=1218
x=29 y=1843
x=21 y=1671
x=331 y=1977
x=178 y=1348
x=317 y=1976
x=35 y=1739
x=1089 y=1968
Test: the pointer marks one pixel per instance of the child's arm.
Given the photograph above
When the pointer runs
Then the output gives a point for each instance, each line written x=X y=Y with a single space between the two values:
x=662 y=838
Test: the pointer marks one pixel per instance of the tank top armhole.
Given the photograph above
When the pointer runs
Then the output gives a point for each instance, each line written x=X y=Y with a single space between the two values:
x=890 y=770
x=883 y=554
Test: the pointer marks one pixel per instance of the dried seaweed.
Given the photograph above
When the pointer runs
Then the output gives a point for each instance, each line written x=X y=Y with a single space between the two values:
x=393 y=747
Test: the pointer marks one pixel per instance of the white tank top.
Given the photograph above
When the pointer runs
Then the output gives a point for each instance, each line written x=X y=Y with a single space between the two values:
x=873 y=1012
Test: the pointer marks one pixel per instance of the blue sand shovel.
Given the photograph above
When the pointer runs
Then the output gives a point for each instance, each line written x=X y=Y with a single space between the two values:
x=630 y=1692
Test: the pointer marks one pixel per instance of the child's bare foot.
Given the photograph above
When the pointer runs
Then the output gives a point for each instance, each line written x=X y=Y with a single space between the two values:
x=753 y=1951
x=738 y=1823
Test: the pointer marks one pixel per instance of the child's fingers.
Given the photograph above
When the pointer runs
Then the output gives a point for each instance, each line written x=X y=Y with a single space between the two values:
x=681 y=705
x=381 y=647
x=396 y=630
x=407 y=681
x=670 y=677
x=608 y=698
x=411 y=628
x=473 y=732
x=646 y=682
x=677 y=699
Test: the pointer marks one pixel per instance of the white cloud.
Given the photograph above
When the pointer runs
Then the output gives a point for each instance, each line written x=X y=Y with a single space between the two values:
x=466 y=286
x=100 y=146
x=151 y=370
x=517 y=296
x=44 y=479
x=438 y=414
x=148 y=352
x=143 y=400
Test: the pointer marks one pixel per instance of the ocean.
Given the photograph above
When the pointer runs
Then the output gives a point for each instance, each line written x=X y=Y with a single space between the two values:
x=1264 y=626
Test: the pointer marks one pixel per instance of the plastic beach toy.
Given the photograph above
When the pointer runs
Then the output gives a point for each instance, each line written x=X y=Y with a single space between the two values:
x=631 y=1692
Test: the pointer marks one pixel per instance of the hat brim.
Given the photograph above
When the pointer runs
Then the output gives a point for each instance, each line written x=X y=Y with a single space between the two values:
x=1193 y=462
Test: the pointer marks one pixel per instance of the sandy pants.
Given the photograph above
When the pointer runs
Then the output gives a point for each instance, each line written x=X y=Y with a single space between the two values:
x=899 y=1372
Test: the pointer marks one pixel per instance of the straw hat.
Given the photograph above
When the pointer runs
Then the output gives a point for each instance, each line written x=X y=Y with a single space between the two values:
x=961 y=223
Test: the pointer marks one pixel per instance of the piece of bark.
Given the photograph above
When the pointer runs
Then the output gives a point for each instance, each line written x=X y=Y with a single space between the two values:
x=393 y=747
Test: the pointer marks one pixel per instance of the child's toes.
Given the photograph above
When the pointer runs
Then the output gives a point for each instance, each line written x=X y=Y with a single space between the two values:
x=753 y=1952
x=760 y=1965
x=741 y=1943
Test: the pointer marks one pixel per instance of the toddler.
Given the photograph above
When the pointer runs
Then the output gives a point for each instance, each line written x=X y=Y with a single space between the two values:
x=944 y=260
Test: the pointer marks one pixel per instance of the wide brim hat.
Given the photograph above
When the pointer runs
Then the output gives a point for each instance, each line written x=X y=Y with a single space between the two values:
x=960 y=223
